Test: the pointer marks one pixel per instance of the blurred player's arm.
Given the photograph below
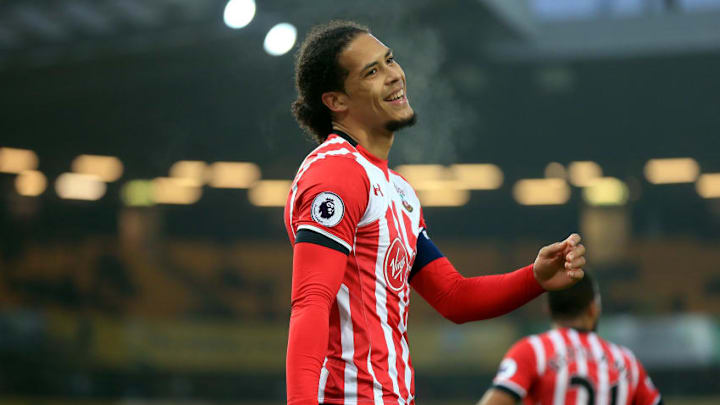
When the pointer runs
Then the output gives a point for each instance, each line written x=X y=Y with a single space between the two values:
x=516 y=373
x=646 y=393
x=317 y=274
x=462 y=299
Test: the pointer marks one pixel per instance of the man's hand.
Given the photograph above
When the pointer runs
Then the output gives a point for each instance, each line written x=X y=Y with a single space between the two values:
x=558 y=266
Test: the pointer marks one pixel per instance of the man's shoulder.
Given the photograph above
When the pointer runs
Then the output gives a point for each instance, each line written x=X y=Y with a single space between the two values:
x=525 y=344
x=332 y=157
x=333 y=146
x=622 y=349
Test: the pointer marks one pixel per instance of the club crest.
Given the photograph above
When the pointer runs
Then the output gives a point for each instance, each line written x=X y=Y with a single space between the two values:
x=405 y=204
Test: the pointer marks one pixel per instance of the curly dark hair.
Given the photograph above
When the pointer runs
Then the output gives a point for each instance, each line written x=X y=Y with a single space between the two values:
x=571 y=302
x=317 y=70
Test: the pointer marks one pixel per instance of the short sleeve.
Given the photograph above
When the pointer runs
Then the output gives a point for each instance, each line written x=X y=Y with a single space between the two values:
x=331 y=198
x=517 y=370
x=646 y=393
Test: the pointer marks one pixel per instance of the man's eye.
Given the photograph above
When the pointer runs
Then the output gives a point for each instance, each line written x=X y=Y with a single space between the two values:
x=371 y=72
x=391 y=60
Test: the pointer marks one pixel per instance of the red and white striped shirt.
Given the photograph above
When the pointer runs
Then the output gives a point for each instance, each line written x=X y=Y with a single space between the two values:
x=567 y=366
x=343 y=192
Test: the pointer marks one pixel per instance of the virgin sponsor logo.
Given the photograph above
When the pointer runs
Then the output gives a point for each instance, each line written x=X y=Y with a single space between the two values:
x=396 y=265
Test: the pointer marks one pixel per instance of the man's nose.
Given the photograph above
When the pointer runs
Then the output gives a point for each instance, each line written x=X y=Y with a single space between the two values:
x=394 y=75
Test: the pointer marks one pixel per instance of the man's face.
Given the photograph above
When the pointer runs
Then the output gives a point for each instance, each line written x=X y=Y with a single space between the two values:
x=375 y=85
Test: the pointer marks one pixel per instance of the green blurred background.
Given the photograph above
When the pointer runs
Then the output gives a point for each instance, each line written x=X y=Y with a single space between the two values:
x=146 y=148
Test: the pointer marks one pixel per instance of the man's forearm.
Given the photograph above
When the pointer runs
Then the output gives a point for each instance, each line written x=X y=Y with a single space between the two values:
x=463 y=299
x=307 y=344
x=317 y=275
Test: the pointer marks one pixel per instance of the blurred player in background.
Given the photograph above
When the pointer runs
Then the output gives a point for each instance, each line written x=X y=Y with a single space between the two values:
x=570 y=364
x=359 y=239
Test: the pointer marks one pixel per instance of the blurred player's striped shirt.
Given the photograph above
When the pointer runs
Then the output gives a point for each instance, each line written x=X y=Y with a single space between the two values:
x=568 y=366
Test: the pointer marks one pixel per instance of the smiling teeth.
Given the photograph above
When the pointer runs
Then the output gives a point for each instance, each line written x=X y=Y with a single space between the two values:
x=396 y=96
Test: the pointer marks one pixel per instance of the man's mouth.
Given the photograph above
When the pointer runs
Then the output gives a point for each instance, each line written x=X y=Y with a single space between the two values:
x=396 y=97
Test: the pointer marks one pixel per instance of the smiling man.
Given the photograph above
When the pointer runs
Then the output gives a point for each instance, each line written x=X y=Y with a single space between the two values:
x=359 y=239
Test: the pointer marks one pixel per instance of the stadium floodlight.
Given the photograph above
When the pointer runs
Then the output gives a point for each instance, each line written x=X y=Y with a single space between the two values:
x=447 y=194
x=555 y=170
x=14 y=160
x=708 y=185
x=108 y=168
x=77 y=186
x=280 y=39
x=583 y=173
x=30 y=183
x=670 y=171
x=239 y=13
x=137 y=193
x=193 y=170
x=173 y=190
x=606 y=191
x=233 y=174
x=478 y=176
x=541 y=191
x=269 y=193
x=419 y=175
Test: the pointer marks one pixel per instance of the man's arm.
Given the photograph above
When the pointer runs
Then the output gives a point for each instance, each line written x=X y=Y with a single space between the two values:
x=646 y=392
x=495 y=396
x=516 y=374
x=461 y=299
x=323 y=210
x=317 y=274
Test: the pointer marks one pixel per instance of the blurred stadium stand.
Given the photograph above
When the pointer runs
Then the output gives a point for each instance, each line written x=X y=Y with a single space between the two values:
x=123 y=297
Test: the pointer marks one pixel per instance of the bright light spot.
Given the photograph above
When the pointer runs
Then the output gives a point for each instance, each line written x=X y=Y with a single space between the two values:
x=541 y=192
x=30 y=183
x=269 y=193
x=555 y=170
x=239 y=13
x=193 y=170
x=137 y=193
x=478 y=176
x=708 y=185
x=280 y=39
x=233 y=174
x=606 y=191
x=668 y=171
x=420 y=175
x=107 y=168
x=582 y=174
x=446 y=194
x=171 y=190
x=76 y=186
x=13 y=160
x=439 y=186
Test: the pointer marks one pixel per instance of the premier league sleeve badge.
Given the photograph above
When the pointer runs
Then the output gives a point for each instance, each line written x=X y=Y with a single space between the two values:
x=328 y=209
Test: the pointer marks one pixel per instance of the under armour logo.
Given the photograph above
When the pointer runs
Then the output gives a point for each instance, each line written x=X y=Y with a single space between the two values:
x=377 y=190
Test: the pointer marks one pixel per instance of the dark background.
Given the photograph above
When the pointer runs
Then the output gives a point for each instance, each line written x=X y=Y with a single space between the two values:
x=192 y=305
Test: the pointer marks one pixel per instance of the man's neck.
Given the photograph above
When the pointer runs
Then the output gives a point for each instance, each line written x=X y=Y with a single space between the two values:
x=377 y=143
x=578 y=324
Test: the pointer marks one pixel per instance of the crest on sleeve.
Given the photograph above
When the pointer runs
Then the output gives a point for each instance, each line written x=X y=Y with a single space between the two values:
x=328 y=209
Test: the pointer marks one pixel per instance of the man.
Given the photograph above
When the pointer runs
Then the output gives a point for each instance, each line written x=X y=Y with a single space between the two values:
x=359 y=237
x=570 y=364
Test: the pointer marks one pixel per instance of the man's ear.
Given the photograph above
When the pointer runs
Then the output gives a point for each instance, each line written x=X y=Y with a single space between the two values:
x=594 y=309
x=334 y=100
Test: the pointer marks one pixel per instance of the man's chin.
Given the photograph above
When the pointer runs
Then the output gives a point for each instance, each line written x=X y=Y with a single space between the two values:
x=396 y=125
